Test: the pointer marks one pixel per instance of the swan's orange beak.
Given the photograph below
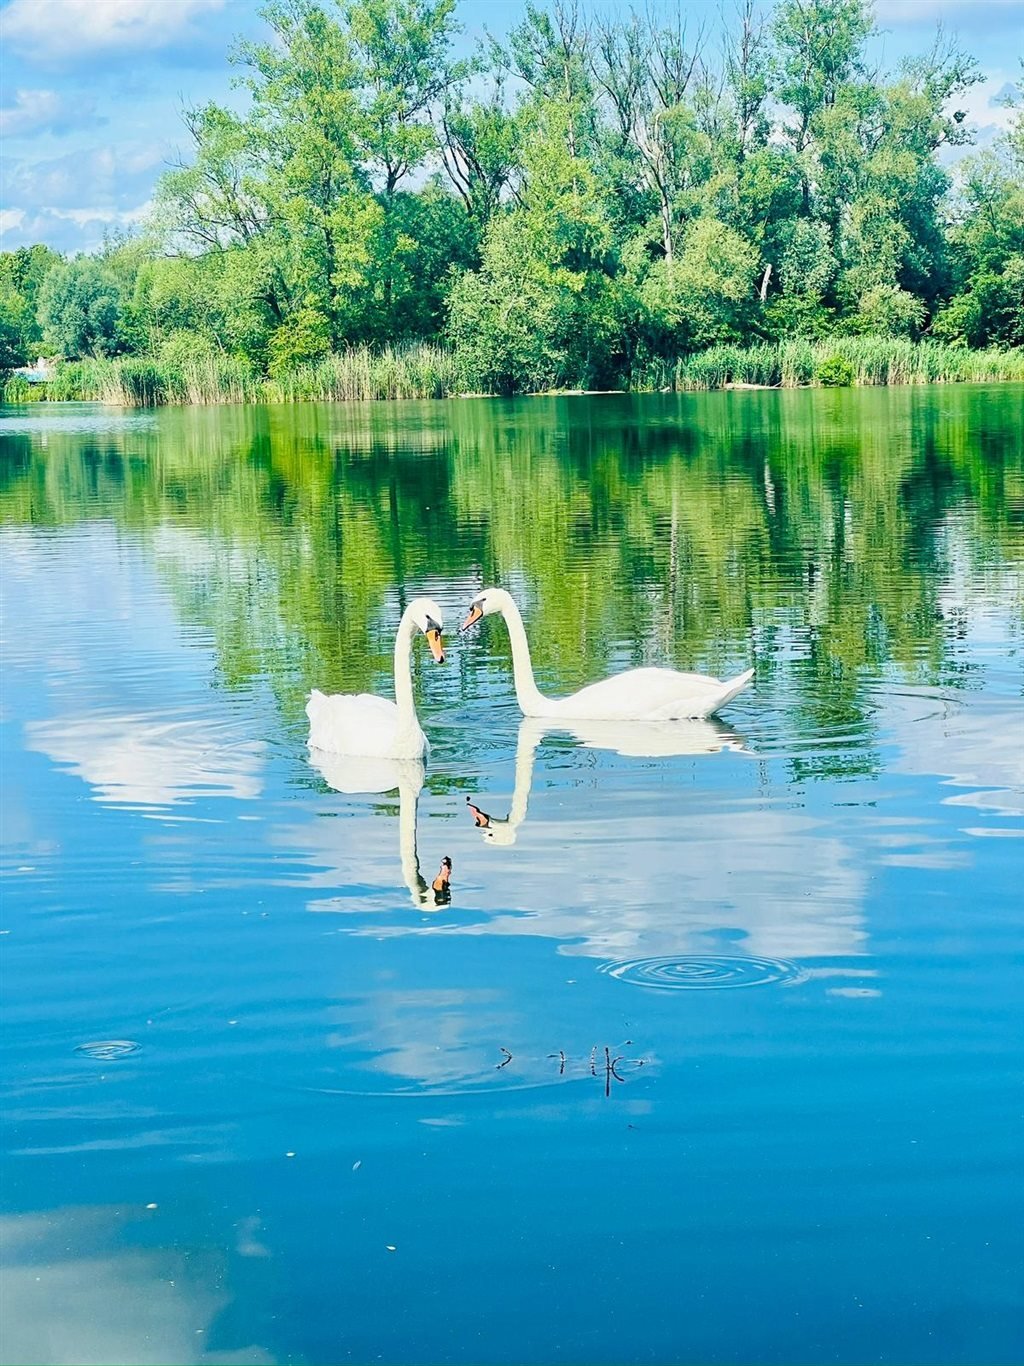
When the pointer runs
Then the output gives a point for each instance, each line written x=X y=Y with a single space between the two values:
x=475 y=613
x=436 y=647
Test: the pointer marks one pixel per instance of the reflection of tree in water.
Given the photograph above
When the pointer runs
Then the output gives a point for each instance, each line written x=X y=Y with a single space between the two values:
x=674 y=529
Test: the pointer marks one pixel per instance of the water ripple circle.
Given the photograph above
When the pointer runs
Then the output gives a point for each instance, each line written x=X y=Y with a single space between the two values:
x=702 y=973
x=107 y=1050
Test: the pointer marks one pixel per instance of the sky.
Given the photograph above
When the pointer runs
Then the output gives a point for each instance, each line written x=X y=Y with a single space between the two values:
x=91 y=91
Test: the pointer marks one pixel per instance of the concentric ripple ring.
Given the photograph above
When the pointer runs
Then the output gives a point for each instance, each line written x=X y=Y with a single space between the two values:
x=702 y=973
x=108 y=1050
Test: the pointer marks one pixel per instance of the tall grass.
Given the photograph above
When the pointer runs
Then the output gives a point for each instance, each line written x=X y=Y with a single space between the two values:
x=867 y=360
x=425 y=371
x=358 y=374
x=363 y=375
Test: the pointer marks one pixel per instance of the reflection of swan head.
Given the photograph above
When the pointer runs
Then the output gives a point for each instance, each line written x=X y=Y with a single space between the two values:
x=493 y=828
x=442 y=884
x=485 y=604
x=430 y=619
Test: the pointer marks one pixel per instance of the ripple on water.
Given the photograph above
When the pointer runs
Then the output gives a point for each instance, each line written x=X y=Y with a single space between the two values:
x=108 y=1050
x=702 y=973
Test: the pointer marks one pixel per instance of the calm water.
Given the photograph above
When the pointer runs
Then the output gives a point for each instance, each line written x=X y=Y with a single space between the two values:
x=713 y=1056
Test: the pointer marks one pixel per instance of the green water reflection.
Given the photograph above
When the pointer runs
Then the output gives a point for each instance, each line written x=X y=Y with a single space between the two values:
x=813 y=533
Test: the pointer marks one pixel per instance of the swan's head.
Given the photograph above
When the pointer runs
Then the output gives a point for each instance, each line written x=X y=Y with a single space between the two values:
x=484 y=604
x=430 y=619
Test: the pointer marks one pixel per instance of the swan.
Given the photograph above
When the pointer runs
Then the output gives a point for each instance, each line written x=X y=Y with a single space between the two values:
x=351 y=774
x=373 y=727
x=637 y=695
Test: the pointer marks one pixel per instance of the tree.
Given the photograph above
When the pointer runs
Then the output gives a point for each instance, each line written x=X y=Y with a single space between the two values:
x=80 y=309
x=541 y=311
x=988 y=237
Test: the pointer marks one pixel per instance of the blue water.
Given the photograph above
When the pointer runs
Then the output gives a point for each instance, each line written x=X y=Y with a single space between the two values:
x=712 y=1057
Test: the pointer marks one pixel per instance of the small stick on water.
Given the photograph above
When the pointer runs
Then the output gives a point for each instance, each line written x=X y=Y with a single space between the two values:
x=508 y=1058
x=607 y=1072
x=561 y=1065
x=593 y=1055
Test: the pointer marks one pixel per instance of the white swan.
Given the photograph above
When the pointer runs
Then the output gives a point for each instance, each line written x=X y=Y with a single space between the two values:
x=373 y=727
x=637 y=695
x=350 y=774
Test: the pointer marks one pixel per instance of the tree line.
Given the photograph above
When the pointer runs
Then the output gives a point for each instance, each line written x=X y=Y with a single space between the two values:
x=573 y=206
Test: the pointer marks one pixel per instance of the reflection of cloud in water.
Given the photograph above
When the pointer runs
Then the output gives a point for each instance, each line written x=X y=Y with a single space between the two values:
x=661 y=879
x=783 y=890
x=150 y=760
x=635 y=871
x=975 y=742
x=111 y=1302
x=431 y=1036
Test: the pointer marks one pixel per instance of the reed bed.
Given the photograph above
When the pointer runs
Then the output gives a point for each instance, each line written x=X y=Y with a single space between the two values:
x=837 y=361
x=427 y=371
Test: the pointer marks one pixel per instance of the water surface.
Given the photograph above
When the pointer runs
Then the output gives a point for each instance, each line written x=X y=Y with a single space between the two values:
x=715 y=1053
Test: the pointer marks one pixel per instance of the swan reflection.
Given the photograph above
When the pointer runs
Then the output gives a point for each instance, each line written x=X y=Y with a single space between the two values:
x=631 y=739
x=351 y=775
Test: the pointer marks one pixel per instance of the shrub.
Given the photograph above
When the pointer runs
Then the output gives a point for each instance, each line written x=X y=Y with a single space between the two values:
x=835 y=372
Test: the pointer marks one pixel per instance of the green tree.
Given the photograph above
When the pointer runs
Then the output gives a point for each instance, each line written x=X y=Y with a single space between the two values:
x=988 y=240
x=80 y=309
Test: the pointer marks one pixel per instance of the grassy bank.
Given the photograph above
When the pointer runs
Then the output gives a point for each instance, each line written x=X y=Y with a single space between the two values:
x=434 y=372
x=838 y=362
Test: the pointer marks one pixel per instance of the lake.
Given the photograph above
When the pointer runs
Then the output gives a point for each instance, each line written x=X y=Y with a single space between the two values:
x=715 y=1052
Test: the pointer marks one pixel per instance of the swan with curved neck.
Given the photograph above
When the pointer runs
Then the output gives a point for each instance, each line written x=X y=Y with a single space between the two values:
x=374 y=727
x=637 y=695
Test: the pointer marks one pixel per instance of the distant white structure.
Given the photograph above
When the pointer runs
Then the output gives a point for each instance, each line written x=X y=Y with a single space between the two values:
x=38 y=373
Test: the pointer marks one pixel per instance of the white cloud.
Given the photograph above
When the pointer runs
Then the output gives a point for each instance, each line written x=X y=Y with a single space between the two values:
x=984 y=104
x=63 y=30
x=38 y=111
x=11 y=220
x=115 y=176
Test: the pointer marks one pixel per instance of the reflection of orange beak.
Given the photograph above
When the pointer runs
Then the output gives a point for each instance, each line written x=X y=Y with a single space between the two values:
x=444 y=875
x=475 y=613
x=480 y=818
x=436 y=648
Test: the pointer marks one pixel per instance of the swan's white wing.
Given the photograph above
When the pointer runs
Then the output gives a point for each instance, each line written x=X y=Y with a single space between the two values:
x=352 y=723
x=650 y=695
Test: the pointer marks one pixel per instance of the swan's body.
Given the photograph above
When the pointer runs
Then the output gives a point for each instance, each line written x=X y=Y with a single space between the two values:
x=372 y=727
x=637 y=695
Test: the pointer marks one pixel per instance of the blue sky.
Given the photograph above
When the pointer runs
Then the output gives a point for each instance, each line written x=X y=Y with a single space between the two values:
x=91 y=91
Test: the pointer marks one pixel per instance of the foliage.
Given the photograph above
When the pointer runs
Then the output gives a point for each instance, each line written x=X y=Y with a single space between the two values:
x=835 y=372
x=595 y=202
x=80 y=309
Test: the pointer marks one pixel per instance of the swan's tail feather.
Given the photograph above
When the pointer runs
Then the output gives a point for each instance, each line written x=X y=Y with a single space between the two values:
x=314 y=709
x=729 y=689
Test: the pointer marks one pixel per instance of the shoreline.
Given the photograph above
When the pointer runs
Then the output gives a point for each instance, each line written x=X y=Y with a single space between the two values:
x=424 y=371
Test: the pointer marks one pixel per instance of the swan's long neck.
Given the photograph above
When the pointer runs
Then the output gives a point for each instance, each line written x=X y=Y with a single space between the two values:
x=403 y=670
x=531 y=700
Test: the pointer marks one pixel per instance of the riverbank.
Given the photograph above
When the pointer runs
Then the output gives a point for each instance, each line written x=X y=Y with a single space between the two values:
x=421 y=372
